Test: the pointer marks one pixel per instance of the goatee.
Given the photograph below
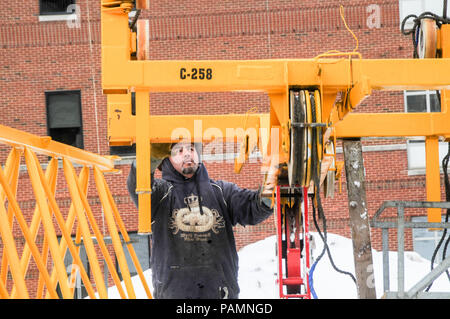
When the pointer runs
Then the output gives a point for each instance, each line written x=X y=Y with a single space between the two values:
x=189 y=170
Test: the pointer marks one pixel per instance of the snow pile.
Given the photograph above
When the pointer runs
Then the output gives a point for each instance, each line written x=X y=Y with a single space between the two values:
x=258 y=268
x=258 y=271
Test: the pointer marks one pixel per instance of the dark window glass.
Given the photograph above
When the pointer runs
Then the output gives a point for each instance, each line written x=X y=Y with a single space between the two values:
x=141 y=246
x=123 y=150
x=55 y=6
x=64 y=121
x=435 y=105
x=416 y=103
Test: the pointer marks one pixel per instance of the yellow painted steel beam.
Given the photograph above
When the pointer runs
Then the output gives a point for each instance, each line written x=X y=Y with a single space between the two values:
x=393 y=124
x=3 y=292
x=81 y=187
x=118 y=249
x=65 y=234
x=49 y=229
x=12 y=173
x=27 y=234
x=120 y=73
x=276 y=75
x=45 y=212
x=103 y=188
x=347 y=74
x=50 y=179
x=431 y=125
x=406 y=124
x=143 y=183
x=166 y=128
x=45 y=251
x=68 y=225
x=45 y=145
x=10 y=250
x=69 y=172
x=396 y=124
x=433 y=177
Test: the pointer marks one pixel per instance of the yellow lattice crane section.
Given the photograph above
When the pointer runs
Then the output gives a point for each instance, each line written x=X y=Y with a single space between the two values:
x=58 y=225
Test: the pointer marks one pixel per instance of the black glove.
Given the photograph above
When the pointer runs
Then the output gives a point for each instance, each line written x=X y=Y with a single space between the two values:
x=264 y=200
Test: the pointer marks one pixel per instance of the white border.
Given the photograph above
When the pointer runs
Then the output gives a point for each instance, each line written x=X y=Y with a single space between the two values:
x=57 y=17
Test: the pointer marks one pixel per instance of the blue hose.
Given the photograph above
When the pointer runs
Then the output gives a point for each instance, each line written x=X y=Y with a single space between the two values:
x=310 y=279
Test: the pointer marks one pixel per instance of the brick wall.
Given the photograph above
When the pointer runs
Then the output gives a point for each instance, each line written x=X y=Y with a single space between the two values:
x=36 y=57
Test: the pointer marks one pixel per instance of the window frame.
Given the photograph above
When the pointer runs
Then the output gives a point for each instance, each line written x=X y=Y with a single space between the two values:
x=428 y=237
x=54 y=13
x=418 y=142
x=56 y=16
x=49 y=93
x=427 y=94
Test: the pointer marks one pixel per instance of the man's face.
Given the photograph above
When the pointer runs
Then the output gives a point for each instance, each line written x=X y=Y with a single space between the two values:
x=184 y=159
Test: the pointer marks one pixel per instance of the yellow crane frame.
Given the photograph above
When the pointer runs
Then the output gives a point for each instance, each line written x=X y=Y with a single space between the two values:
x=48 y=215
x=334 y=74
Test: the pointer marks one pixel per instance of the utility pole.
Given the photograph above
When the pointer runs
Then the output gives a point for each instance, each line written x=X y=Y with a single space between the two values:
x=359 y=218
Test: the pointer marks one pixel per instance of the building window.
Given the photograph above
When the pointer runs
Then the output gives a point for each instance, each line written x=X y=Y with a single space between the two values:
x=60 y=10
x=141 y=245
x=55 y=7
x=425 y=241
x=123 y=150
x=421 y=101
x=64 y=121
x=417 y=7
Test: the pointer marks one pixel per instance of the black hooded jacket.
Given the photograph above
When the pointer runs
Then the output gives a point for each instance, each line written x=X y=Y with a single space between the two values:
x=193 y=247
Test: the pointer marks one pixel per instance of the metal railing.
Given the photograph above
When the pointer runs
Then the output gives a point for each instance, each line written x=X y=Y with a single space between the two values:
x=417 y=290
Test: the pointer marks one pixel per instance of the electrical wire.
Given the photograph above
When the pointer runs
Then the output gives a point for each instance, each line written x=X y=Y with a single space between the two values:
x=324 y=236
x=444 y=14
x=447 y=198
x=444 y=234
x=334 y=53
x=132 y=23
x=414 y=31
x=313 y=267
x=316 y=200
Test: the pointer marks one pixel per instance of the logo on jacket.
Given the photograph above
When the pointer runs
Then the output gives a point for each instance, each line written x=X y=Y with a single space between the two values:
x=191 y=219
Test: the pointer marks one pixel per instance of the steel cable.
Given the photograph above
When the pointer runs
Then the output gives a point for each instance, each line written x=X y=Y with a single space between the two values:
x=319 y=208
x=444 y=234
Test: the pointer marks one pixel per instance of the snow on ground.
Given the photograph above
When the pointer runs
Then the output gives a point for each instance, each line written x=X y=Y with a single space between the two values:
x=258 y=271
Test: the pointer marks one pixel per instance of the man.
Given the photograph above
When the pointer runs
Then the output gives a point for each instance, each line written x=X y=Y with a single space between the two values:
x=193 y=247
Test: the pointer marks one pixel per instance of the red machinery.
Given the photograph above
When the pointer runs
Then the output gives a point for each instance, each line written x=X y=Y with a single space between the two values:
x=293 y=242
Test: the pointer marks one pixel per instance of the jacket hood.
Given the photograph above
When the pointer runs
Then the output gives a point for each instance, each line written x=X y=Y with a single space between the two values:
x=170 y=174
